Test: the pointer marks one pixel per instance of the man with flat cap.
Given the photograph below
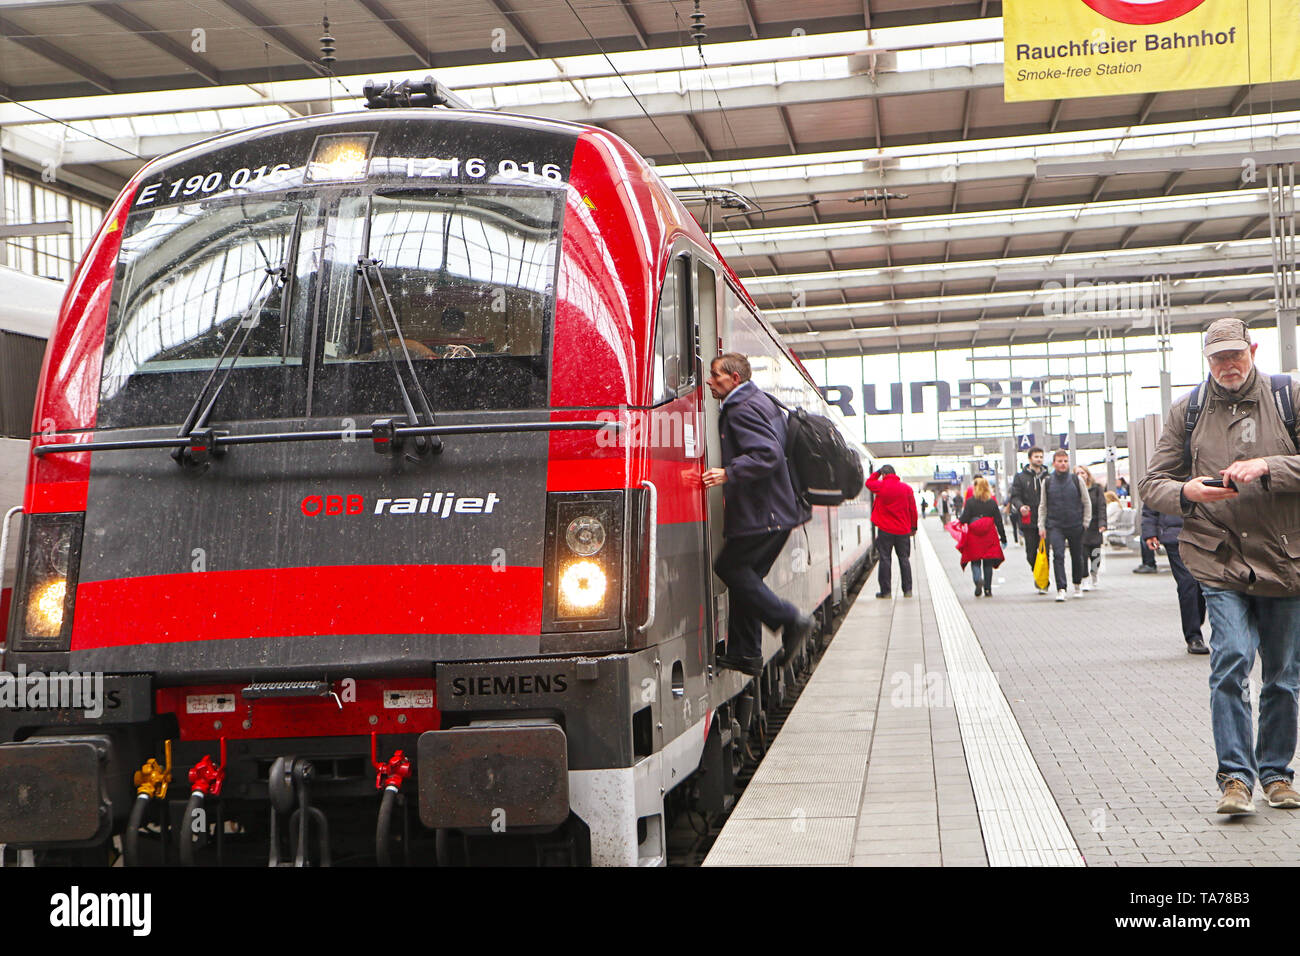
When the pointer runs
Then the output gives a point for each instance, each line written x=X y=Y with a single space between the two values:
x=1227 y=462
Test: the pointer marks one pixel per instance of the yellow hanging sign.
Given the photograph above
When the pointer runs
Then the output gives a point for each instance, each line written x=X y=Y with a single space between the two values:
x=1059 y=49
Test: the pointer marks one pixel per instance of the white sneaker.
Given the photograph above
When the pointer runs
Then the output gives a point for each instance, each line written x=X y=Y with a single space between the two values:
x=1087 y=585
x=1078 y=590
x=1041 y=590
x=1060 y=595
x=1095 y=583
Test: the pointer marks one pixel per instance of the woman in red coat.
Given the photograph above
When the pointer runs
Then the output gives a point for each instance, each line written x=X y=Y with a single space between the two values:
x=981 y=546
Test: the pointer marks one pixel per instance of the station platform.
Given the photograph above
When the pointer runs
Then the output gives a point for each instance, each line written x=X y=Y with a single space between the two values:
x=950 y=730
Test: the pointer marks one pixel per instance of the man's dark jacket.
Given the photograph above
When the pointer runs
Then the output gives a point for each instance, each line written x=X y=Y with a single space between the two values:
x=1162 y=526
x=758 y=493
x=1025 y=490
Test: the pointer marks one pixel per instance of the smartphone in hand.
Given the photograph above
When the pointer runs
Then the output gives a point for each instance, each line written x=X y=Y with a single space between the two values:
x=1220 y=483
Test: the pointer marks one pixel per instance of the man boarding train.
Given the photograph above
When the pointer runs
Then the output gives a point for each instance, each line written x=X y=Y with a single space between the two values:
x=760 y=510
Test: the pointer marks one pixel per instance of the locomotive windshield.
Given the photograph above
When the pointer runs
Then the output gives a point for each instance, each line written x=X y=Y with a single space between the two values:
x=191 y=277
x=468 y=273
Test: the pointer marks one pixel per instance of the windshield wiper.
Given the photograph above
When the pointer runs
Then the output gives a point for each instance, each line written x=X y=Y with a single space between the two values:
x=200 y=445
x=196 y=422
x=424 y=443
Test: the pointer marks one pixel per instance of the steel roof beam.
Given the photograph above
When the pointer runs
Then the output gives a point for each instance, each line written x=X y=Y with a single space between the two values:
x=283 y=38
x=922 y=336
x=49 y=51
x=941 y=171
x=1041 y=220
x=529 y=43
x=787 y=93
x=1213 y=157
x=788 y=128
x=1040 y=301
x=120 y=15
x=399 y=29
x=637 y=30
x=699 y=134
x=1091 y=267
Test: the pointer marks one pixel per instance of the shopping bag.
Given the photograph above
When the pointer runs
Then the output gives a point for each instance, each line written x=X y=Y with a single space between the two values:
x=1040 y=566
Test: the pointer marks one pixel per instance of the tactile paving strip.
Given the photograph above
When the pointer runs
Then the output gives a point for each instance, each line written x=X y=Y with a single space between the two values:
x=1021 y=822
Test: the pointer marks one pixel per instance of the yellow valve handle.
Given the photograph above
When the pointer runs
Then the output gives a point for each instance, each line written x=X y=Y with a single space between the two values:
x=152 y=779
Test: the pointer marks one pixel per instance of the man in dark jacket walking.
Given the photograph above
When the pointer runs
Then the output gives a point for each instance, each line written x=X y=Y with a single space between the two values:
x=1064 y=510
x=893 y=512
x=1158 y=529
x=759 y=512
x=1026 y=489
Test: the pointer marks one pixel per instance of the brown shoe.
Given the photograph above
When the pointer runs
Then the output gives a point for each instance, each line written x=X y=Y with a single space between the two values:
x=1236 y=798
x=1281 y=794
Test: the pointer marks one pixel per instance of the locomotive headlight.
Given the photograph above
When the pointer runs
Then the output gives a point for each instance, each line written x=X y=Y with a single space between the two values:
x=47 y=582
x=340 y=157
x=584 y=561
x=585 y=535
x=45 y=608
x=582 y=588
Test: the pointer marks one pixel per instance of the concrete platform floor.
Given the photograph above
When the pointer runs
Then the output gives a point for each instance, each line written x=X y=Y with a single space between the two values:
x=1086 y=740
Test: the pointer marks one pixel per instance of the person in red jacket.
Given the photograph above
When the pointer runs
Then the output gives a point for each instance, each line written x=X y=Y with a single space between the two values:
x=894 y=514
x=981 y=545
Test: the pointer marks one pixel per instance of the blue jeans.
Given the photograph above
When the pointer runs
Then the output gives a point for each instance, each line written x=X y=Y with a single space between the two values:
x=1241 y=626
x=981 y=571
x=901 y=545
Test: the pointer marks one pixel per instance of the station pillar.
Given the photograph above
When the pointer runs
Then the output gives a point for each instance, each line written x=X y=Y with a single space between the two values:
x=1110 y=444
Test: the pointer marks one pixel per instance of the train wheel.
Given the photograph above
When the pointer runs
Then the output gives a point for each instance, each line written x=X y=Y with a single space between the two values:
x=737 y=748
x=450 y=848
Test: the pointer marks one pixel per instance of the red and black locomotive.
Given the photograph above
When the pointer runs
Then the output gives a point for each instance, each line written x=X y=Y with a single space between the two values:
x=365 y=480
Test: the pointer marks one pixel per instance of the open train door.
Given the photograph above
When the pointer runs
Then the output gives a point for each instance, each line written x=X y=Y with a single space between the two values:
x=710 y=344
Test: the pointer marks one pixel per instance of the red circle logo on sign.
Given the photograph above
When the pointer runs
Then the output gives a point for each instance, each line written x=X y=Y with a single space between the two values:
x=1143 y=12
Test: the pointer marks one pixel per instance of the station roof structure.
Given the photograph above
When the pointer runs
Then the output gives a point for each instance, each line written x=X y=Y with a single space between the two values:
x=893 y=199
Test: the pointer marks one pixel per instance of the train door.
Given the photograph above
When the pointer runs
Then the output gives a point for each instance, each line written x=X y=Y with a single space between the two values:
x=709 y=341
x=674 y=437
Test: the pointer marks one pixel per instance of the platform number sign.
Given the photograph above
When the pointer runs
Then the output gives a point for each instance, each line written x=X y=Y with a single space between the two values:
x=909 y=448
x=1025 y=442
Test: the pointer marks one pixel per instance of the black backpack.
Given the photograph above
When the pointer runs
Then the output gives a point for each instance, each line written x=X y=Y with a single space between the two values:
x=823 y=468
x=1281 y=385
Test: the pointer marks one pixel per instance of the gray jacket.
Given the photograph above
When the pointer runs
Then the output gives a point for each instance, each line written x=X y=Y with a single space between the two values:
x=1042 y=502
x=1250 y=543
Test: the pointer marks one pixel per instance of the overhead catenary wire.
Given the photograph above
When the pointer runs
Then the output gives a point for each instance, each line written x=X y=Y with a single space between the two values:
x=322 y=71
x=704 y=73
x=633 y=94
x=130 y=152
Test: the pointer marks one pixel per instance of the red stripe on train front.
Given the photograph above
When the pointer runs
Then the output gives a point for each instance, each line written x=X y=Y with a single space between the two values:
x=54 y=497
x=586 y=474
x=291 y=602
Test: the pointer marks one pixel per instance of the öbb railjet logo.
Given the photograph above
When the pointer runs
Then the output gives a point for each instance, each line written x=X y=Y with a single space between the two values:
x=434 y=504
